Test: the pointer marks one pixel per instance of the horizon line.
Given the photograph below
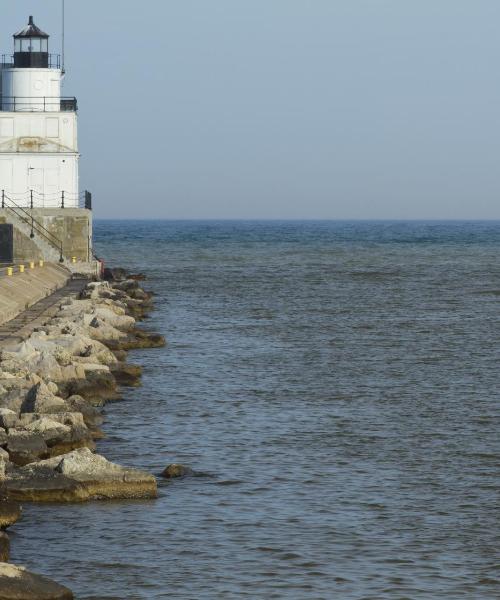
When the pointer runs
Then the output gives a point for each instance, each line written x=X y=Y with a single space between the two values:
x=309 y=219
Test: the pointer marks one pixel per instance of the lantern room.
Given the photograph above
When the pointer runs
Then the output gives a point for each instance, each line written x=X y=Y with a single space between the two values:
x=31 y=48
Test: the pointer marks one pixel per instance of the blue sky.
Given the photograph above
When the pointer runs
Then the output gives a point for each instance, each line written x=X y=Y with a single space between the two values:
x=282 y=108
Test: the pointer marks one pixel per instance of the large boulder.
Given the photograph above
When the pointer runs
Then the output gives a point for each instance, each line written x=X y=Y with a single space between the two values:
x=97 y=387
x=92 y=417
x=77 y=477
x=41 y=400
x=137 y=339
x=13 y=392
x=126 y=374
x=18 y=584
x=62 y=432
x=25 y=447
x=8 y=418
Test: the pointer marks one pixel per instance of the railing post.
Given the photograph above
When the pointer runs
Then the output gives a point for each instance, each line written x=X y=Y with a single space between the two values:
x=31 y=199
x=62 y=199
x=3 y=198
x=61 y=259
x=32 y=234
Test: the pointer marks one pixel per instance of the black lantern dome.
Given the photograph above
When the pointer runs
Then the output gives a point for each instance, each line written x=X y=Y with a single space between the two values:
x=31 y=47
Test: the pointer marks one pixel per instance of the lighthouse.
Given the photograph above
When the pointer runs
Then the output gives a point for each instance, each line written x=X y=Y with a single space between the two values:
x=39 y=156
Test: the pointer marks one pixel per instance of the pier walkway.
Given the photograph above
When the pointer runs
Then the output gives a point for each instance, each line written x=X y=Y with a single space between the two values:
x=20 y=328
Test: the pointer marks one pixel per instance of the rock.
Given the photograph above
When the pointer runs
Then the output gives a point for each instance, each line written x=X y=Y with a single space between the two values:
x=8 y=418
x=41 y=400
x=95 y=290
x=3 y=437
x=62 y=356
x=49 y=429
x=18 y=584
x=10 y=513
x=42 y=364
x=97 y=388
x=92 y=417
x=138 y=308
x=175 y=471
x=137 y=339
x=53 y=389
x=139 y=294
x=115 y=274
x=4 y=547
x=121 y=355
x=126 y=286
x=25 y=447
x=104 y=315
x=77 y=477
x=127 y=375
x=23 y=351
x=34 y=421
x=14 y=393
x=62 y=432
x=101 y=331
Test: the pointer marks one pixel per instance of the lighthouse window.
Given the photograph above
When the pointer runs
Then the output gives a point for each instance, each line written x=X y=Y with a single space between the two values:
x=31 y=45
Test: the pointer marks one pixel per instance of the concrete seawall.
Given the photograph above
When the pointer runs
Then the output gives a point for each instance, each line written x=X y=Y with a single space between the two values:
x=22 y=290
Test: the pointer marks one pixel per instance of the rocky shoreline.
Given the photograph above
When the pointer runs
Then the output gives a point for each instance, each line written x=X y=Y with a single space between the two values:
x=53 y=386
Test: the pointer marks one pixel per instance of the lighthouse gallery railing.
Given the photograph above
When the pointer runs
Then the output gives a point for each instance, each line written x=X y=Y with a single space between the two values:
x=8 y=62
x=38 y=104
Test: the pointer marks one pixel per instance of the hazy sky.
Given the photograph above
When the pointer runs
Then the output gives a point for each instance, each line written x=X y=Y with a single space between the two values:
x=282 y=108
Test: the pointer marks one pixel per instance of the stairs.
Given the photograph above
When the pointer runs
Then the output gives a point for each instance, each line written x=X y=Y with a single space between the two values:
x=49 y=249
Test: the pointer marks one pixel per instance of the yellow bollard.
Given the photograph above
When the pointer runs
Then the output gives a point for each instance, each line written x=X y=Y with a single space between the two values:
x=21 y=268
x=73 y=259
x=40 y=263
x=32 y=265
x=10 y=271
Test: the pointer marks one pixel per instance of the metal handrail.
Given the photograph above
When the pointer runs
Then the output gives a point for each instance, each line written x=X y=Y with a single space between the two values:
x=34 y=103
x=60 y=199
x=9 y=63
x=28 y=218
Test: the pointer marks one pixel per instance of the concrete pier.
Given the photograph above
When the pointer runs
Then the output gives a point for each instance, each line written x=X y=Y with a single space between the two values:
x=22 y=290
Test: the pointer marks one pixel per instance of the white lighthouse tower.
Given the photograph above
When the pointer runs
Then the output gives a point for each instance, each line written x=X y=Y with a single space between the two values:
x=38 y=128
x=42 y=212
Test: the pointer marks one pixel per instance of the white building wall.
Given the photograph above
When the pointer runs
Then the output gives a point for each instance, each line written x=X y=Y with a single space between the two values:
x=60 y=128
x=31 y=89
x=38 y=142
x=48 y=175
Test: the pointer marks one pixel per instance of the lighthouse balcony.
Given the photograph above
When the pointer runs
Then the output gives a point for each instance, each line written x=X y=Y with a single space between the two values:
x=34 y=60
x=38 y=104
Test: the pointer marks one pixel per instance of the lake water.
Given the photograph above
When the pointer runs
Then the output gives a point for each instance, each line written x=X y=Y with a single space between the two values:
x=338 y=386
